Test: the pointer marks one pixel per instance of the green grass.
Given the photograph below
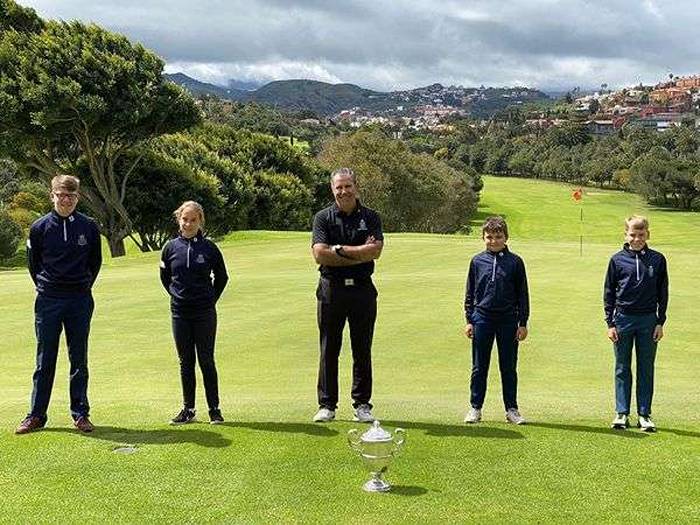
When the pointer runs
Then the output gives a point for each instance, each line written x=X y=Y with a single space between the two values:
x=270 y=464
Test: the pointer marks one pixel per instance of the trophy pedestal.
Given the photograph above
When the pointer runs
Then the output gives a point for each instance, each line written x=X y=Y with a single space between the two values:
x=377 y=484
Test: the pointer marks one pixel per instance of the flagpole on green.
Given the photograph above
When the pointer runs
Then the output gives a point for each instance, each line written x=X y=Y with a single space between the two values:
x=577 y=195
x=580 y=235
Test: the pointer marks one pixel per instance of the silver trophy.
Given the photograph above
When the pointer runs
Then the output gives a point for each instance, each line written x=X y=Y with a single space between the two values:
x=376 y=447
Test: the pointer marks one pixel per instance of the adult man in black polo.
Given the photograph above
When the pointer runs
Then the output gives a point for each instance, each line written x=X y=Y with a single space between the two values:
x=347 y=238
x=64 y=256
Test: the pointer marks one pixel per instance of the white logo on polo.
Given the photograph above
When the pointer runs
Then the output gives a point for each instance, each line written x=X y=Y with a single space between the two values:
x=82 y=241
x=363 y=225
x=200 y=258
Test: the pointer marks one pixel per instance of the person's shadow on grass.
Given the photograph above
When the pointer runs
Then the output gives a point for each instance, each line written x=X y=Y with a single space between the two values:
x=465 y=430
x=591 y=430
x=287 y=428
x=164 y=436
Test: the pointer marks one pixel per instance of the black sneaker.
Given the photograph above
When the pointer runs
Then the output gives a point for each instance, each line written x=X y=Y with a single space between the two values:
x=215 y=417
x=186 y=415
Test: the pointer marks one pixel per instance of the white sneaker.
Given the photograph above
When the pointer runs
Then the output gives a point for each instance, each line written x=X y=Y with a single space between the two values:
x=363 y=413
x=324 y=415
x=513 y=416
x=646 y=424
x=473 y=416
x=620 y=422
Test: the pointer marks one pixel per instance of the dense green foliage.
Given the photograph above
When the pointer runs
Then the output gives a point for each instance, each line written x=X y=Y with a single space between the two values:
x=10 y=235
x=662 y=167
x=412 y=192
x=73 y=94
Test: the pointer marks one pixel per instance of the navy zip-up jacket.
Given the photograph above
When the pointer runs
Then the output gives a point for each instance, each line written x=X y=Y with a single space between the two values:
x=636 y=283
x=64 y=254
x=497 y=287
x=193 y=273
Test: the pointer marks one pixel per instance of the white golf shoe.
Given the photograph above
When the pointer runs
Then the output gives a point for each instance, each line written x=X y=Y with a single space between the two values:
x=621 y=422
x=646 y=424
x=324 y=415
x=473 y=416
x=513 y=416
x=363 y=413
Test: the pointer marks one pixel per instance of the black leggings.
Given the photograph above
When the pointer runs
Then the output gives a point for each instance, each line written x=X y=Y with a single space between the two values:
x=194 y=339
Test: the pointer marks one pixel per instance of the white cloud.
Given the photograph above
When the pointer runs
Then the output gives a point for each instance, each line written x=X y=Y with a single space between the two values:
x=407 y=43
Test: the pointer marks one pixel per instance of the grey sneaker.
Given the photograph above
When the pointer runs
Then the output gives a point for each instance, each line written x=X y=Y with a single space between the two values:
x=621 y=422
x=473 y=416
x=363 y=413
x=513 y=416
x=646 y=424
x=324 y=415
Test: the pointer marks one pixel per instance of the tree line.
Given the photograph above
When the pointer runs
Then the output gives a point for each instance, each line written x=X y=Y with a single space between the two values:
x=77 y=99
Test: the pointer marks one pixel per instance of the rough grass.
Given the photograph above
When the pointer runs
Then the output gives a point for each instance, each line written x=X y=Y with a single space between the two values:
x=269 y=463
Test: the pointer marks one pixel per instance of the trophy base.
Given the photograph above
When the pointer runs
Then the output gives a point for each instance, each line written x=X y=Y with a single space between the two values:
x=376 y=485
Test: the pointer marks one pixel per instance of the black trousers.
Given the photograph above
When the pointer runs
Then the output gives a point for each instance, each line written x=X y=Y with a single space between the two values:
x=504 y=332
x=337 y=303
x=195 y=339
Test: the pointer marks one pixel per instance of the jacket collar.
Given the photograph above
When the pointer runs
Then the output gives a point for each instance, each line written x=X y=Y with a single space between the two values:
x=501 y=253
x=632 y=253
x=60 y=217
x=197 y=238
x=338 y=211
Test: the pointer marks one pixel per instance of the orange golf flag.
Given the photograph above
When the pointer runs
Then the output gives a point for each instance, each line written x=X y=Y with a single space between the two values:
x=577 y=194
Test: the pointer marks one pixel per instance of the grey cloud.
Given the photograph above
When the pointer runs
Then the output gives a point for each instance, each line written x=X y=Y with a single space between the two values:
x=411 y=42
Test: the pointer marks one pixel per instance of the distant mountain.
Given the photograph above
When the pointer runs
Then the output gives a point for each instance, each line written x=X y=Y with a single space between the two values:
x=202 y=88
x=320 y=97
x=328 y=99
x=244 y=85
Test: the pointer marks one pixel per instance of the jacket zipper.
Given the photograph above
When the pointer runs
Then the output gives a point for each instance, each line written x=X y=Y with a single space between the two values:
x=636 y=258
x=493 y=271
x=189 y=247
x=65 y=231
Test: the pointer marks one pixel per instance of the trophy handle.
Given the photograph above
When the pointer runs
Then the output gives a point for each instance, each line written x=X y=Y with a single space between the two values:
x=399 y=439
x=354 y=440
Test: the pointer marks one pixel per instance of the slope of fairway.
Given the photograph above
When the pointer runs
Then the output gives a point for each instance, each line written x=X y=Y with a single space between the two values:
x=270 y=464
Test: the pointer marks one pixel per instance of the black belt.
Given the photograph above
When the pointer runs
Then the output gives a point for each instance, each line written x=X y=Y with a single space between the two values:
x=347 y=281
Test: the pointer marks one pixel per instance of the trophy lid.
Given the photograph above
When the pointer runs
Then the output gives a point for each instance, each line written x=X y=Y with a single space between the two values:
x=376 y=433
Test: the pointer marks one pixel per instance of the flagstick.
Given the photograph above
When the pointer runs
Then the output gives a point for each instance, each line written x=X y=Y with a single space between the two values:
x=580 y=251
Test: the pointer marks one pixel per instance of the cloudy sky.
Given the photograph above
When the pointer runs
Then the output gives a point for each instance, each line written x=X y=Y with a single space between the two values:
x=400 y=44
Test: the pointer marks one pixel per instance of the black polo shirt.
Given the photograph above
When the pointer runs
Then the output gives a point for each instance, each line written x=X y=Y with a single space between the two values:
x=332 y=226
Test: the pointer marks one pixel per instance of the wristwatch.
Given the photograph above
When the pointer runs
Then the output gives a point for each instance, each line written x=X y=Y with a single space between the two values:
x=337 y=249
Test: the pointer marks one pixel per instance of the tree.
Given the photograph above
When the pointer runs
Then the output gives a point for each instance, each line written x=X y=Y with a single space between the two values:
x=75 y=93
x=411 y=192
x=159 y=184
x=10 y=236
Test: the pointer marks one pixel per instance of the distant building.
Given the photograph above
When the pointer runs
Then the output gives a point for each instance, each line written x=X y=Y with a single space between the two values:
x=692 y=82
x=664 y=121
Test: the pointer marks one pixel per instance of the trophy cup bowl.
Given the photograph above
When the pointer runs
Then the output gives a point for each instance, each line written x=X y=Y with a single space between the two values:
x=377 y=448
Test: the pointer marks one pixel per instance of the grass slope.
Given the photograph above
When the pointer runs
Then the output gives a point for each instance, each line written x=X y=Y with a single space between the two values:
x=269 y=463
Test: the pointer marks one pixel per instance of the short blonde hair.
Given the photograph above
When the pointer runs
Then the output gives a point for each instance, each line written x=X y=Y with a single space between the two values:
x=190 y=204
x=65 y=182
x=636 y=222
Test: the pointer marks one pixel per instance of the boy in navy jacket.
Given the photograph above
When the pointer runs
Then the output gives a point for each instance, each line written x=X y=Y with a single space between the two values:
x=635 y=299
x=496 y=306
x=64 y=256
